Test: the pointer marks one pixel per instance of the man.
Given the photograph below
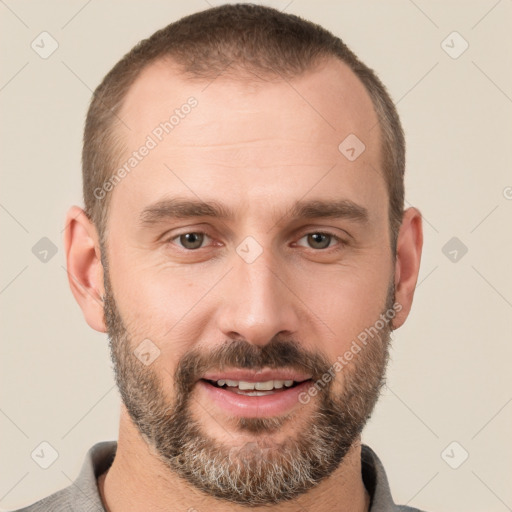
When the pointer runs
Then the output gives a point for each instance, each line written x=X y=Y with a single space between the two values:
x=245 y=247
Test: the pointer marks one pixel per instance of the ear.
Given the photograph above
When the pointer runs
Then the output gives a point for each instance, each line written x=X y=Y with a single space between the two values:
x=407 y=266
x=84 y=268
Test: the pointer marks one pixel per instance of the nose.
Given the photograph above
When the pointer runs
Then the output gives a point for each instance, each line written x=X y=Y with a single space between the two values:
x=257 y=303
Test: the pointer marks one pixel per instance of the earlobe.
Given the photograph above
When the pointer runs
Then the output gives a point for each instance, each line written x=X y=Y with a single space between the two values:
x=84 y=268
x=407 y=266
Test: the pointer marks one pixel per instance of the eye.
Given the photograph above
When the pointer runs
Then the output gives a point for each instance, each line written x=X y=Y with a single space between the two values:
x=190 y=241
x=319 y=240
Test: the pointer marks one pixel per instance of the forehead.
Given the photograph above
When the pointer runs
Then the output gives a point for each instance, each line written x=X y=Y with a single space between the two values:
x=255 y=138
x=330 y=98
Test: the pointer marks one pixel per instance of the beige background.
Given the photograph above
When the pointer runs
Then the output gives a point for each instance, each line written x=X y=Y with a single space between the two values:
x=450 y=377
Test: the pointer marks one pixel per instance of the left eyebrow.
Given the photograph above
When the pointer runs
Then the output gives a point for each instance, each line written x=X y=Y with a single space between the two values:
x=340 y=209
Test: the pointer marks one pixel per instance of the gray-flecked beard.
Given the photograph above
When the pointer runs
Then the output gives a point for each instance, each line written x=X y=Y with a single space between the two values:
x=261 y=472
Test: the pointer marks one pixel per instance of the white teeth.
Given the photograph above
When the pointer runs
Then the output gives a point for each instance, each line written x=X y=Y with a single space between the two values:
x=242 y=385
x=267 y=385
x=255 y=393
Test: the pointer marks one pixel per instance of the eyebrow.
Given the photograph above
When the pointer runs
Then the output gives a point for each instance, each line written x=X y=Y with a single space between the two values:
x=176 y=208
x=337 y=209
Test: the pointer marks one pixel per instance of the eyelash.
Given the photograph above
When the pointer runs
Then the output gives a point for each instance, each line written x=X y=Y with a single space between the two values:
x=339 y=245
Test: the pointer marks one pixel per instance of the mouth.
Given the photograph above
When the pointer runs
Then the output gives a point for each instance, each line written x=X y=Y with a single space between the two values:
x=259 y=388
x=262 y=394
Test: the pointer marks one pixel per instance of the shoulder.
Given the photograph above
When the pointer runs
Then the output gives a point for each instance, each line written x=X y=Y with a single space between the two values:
x=82 y=495
x=376 y=483
x=57 y=502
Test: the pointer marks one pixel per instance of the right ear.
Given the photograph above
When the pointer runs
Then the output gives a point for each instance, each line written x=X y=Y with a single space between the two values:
x=84 y=268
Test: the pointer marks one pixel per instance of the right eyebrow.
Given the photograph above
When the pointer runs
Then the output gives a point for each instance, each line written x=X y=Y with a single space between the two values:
x=182 y=209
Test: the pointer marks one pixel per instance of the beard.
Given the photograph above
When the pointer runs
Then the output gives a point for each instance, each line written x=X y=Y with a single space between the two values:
x=260 y=472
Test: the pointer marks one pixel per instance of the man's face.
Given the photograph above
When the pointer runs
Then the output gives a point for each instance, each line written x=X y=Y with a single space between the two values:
x=271 y=292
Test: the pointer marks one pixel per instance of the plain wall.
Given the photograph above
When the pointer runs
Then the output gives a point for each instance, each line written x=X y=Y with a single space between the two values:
x=449 y=378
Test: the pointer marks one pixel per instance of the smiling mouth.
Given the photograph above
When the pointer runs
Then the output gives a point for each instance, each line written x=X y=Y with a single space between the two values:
x=265 y=393
x=261 y=388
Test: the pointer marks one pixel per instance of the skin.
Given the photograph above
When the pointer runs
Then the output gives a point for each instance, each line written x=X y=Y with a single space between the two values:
x=257 y=148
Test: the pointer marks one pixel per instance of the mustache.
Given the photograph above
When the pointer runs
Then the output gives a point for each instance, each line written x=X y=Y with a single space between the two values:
x=242 y=354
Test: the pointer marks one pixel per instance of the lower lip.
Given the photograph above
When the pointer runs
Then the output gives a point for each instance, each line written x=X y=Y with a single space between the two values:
x=267 y=406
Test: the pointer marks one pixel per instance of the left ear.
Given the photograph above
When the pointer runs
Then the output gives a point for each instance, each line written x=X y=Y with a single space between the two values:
x=407 y=266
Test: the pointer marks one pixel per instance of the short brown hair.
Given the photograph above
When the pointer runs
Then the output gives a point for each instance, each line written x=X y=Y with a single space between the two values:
x=244 y=37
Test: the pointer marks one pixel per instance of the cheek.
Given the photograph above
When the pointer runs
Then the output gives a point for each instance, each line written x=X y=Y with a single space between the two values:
x=162 y=303
x=346 y=302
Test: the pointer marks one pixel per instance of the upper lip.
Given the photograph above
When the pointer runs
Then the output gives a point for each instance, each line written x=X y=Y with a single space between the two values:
x=256 y=376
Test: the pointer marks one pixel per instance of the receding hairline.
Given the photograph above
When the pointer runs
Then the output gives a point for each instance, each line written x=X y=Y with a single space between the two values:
x=254 y=38
x=155 y=72
x=243 y=75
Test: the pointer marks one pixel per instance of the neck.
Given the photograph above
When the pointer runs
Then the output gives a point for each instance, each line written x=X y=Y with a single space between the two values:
x=139 y=481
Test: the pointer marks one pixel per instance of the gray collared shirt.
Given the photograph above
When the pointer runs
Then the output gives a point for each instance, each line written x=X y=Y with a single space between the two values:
x=83 y=494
